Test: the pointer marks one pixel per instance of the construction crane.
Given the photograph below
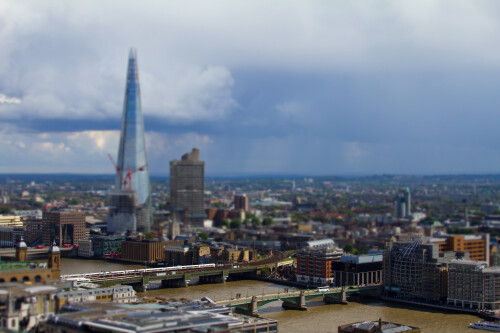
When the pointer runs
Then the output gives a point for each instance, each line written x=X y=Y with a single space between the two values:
x=128 y=179
x=118 y=171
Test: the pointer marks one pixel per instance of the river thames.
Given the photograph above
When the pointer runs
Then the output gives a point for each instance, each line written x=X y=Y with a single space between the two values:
x=318 y=317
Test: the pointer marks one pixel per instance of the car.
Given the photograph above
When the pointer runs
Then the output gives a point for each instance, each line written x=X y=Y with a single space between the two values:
x=40 y=246
x=324 y=288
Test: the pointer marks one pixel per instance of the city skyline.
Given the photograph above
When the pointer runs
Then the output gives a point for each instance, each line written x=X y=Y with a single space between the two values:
x=319 y=88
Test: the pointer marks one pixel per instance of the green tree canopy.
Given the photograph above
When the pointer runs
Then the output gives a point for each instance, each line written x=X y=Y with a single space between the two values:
x=225 y=223
x=235 y=223
x=267 y=221
x=203 y=236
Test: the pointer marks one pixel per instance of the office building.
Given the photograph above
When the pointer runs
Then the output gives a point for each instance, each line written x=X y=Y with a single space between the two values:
x=145 y=251
x=353 y=270
x=473 y=285
x=476 y=245
x=132 y=167
x=415 y=271
x=402 y=206
x=241 y=202
x=105 y=245
x=187 y=186
x=314 y=265
x=122 y=215
x=33 y=231
x=63 y=228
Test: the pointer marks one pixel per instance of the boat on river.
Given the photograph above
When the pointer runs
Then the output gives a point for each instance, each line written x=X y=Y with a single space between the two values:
x=486 y=325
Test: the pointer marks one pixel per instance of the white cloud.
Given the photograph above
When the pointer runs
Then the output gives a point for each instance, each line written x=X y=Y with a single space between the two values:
x=9 y=100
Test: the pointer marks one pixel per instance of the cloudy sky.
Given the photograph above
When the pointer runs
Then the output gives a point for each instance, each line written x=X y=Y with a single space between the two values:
x=290 y=87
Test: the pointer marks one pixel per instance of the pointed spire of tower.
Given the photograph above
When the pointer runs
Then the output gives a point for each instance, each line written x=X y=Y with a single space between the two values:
x=132 y=166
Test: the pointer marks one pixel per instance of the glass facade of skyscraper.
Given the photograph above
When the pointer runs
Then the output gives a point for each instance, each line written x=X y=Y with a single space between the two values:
x=132 y=161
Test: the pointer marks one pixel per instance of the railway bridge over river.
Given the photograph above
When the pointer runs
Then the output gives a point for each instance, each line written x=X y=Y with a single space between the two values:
x=140 y=279
x=297 y=300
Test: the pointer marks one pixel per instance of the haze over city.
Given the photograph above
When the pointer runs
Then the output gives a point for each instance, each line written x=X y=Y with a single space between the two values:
x=317 y=87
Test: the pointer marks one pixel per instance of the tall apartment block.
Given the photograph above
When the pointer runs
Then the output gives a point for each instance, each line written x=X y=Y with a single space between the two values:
x=132 y=167
x=402 y=206
x=63 y=227
x=241 y=202
x=187 y=186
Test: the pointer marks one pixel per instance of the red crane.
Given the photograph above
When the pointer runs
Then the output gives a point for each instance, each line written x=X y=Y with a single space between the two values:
x=127 y=181
x=118 y=171
x=128 y=178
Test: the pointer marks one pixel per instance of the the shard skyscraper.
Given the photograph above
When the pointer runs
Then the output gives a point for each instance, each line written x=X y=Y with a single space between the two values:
x=132 y=166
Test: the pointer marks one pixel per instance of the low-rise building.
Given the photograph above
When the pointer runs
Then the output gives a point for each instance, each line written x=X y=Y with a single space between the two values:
x=31 y=272
x=105 y=245
x=231 y=255
x=194 y=254
x=26 y=306
x=85 y=248
x=193 y=316
x=121 y=294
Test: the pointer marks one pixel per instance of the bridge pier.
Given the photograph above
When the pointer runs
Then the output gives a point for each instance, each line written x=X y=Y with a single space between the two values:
x=140 y=286
x=295 y=303
x=249 y=309
x=336 y=298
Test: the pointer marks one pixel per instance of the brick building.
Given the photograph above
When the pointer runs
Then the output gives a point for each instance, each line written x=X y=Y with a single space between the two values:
x=187 y=255
x=146 y=251
x=315 y=265
x=476 y=245
x=34 y=230
x=63 y=227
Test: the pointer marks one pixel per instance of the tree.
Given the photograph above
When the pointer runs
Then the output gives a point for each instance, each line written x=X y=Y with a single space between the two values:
x=255 y=220
x=267 y=221
x=350 y=249
x=235 y=223
x=5 y=210
x=148 y=235
x=224 y=223
x=203 y=236
x=73 y=201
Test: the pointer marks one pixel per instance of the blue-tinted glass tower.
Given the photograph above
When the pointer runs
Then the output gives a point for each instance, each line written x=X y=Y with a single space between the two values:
x=132 y=162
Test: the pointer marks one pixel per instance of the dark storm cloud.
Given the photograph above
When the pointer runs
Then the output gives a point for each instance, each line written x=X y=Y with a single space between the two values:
x=296 y=87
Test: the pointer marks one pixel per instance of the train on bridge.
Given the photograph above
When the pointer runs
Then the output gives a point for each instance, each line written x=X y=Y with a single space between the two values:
x=87 y=276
